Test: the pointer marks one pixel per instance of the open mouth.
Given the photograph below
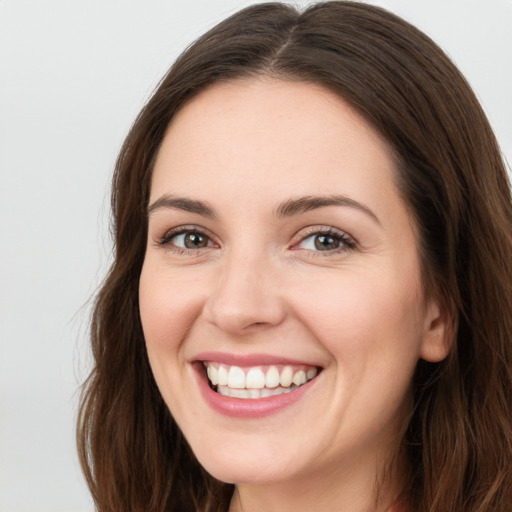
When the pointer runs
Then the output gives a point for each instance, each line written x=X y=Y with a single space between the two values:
x=257 y=381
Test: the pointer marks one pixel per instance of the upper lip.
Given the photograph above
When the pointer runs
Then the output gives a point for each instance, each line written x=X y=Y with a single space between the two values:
x=250 y=359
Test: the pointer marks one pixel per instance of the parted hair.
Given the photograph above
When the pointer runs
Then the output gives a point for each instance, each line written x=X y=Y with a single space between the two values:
x=449 y=170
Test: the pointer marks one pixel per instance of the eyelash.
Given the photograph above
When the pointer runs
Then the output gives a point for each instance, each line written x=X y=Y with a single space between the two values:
x=165 y=240
x=346 y=242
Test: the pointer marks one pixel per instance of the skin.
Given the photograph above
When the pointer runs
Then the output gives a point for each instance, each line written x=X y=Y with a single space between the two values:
x=260 y=285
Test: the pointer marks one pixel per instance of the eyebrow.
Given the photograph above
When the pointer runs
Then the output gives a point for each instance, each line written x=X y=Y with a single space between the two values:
x=294 y=206
x=182 y=203
x=307 y=203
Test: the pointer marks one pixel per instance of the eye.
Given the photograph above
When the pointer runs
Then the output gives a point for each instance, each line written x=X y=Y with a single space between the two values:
x=191 y=240
x=326 y=240
x=321 y=242
x=186 y=239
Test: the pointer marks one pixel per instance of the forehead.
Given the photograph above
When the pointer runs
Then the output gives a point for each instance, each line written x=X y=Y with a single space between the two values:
x=272 y=137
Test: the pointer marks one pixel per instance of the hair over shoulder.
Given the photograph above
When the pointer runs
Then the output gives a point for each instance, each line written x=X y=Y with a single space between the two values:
x=449 y=169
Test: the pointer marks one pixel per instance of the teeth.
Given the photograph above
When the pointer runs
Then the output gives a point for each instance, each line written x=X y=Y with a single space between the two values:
x=253 y=393
x=239 y=393
x=257 y=382
x=286 y=377
x=272 y=377
x=299 y=378
x=236 y=378
x=213 y=375
x=311 y=373
x=223 y=376
x=255 y=379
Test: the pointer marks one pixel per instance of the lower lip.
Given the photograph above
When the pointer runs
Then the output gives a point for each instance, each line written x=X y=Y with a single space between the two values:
x=248 y=407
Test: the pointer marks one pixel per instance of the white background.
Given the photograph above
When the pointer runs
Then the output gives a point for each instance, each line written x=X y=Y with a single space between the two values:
x=73 y=75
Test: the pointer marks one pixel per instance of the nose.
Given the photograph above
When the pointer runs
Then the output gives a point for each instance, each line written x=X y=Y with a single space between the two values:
x=246 y=296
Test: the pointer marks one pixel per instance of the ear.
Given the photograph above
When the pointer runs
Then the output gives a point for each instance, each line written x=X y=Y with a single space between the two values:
x=439 y=331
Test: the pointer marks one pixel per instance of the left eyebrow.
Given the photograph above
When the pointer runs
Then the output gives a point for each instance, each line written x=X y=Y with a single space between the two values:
x=304 y=204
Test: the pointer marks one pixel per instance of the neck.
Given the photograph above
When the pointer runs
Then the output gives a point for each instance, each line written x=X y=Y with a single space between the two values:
x=351 y=490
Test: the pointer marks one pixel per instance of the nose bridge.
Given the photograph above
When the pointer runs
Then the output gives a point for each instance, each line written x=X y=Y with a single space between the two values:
x=246 y=292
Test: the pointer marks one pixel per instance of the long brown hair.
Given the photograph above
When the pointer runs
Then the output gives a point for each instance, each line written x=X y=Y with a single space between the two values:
x=459 y=439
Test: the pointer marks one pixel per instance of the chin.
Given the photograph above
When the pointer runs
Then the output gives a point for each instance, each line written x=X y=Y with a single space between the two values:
x=244 y=468
x=231 y=474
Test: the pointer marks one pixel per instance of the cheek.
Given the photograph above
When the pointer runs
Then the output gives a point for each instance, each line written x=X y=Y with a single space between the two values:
x=167 y=313
x=167 y=309
x=360 y=317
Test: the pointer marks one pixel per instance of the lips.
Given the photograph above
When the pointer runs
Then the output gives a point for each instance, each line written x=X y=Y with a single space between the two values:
x=252 y=386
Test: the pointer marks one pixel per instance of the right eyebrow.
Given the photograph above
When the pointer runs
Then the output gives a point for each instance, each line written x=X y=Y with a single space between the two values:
x=181 y=203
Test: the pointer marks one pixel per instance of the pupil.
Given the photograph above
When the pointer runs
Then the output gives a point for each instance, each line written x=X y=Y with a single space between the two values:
x=326 y=242
x=195 y=240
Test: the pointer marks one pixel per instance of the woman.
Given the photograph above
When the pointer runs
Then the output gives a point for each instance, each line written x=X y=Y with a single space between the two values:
x=309 y=304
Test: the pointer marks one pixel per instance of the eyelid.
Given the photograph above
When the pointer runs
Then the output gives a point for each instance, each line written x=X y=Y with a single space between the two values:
x=165 y=239
x=348 y=241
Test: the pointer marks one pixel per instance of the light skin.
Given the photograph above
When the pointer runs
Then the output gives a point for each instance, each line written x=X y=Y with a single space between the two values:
x=231 y=170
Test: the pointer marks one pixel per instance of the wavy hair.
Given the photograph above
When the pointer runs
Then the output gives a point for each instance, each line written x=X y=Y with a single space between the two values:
x=458 y=442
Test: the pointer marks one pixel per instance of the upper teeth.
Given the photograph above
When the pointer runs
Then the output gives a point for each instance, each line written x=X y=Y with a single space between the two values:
x=258 y=377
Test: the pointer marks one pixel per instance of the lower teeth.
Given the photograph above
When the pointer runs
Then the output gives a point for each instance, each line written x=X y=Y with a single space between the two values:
x=253 y=393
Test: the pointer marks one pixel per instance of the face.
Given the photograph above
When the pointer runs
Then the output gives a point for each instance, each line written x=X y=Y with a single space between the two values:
x=281 y=295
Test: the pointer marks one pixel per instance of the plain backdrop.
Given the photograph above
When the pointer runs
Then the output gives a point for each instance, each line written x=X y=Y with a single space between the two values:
x=73 y=75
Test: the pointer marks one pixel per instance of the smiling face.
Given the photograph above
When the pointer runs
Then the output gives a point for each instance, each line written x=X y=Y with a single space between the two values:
x=282 y=261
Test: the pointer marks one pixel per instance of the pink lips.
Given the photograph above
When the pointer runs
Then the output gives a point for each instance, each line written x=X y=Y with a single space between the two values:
x=249 y=359
x=247 y=408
